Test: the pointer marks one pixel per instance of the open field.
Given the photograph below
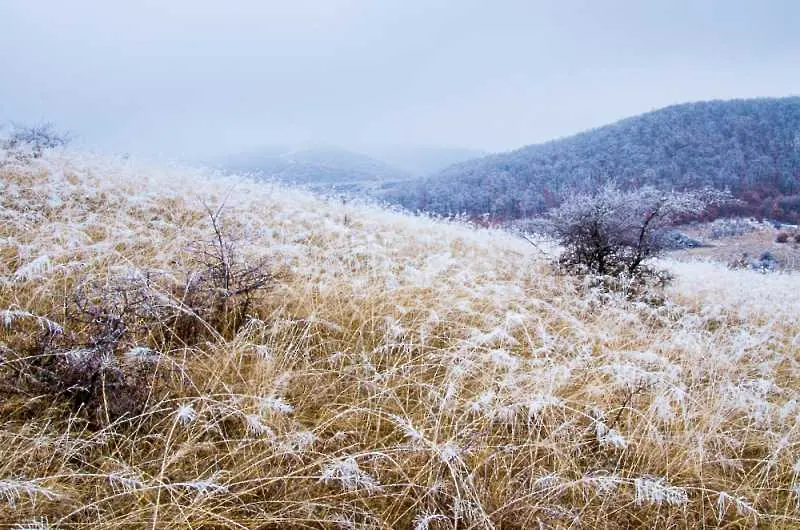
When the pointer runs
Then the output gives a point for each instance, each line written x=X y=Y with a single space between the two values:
x=397 y=372
x=752 y=244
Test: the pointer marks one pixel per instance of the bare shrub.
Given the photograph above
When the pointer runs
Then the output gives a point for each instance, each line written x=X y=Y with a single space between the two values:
x=782 y=237
x=87 y=374
x=218 y=293
x=33 y=140
x=88 y=364
x=615 y=233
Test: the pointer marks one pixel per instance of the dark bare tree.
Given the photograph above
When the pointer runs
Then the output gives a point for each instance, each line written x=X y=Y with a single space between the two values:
x=35 y=138
x=616 y=232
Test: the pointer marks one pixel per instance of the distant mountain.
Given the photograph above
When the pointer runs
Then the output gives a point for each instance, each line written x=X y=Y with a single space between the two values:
x=320 y=166
x=423 y=161
x=751 y=147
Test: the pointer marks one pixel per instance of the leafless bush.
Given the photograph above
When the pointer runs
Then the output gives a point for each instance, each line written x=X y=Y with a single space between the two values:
x=32 y=140
x=218 y=293
x=615 y=233
x=788 y=235
x=89 y=364
x=86 y=373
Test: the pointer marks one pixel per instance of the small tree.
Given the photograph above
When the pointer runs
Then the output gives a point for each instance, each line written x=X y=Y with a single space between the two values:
x=35 y=139
x=614 y=232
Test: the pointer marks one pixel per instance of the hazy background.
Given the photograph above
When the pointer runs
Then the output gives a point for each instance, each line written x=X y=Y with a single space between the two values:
x=196 y=78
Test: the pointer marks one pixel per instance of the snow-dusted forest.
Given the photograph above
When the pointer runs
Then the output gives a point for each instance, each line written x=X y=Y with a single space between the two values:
x=750 y=147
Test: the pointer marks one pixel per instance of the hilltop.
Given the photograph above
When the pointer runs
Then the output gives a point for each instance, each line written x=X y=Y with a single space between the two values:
x=423 y=161
x=383 y=371
x=335 y=169
x=750 y=146
x=321 y=167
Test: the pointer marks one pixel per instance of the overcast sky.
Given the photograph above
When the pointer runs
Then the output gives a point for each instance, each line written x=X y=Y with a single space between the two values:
x=198 y=77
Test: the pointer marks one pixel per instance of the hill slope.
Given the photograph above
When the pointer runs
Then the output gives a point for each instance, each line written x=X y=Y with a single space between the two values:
x=320 y=166
x=749 y=146
x=422 y=161
x=396 y=373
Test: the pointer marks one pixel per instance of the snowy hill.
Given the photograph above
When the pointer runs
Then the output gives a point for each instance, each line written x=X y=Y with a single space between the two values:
x=391 y=371
x=318 y=166
x=751 y=147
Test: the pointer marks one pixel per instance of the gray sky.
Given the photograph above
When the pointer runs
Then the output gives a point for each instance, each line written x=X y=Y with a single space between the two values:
x=196 y=77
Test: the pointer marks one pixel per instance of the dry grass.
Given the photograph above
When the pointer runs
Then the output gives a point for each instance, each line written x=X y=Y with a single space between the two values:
x=397 y=373
x=753 y=244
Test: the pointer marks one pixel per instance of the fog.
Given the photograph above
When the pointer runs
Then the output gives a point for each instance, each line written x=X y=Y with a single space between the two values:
x=198 y=78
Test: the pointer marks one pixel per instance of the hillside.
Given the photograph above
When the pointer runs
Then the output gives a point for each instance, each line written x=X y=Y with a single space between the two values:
x=750 y=146
x=393 y=372
x=317 y=167
x=422 y=161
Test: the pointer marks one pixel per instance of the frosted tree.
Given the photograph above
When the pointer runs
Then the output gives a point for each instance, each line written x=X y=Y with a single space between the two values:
x=34 y=139
x=615 y=232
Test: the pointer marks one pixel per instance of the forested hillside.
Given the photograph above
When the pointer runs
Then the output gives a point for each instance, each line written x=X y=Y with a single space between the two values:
x=751 y=147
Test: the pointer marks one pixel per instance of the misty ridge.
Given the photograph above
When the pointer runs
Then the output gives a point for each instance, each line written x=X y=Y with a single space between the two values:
x=327 y=167
x=748 y=147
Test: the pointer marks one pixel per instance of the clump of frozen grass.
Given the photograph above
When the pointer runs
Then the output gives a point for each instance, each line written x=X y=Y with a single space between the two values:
x=407 y=429
x=485 y=402
x=503 y=359
x=298 y=441
x=185 y=413
x=35 y=524
x=9 y=316
x=126 y=481
x=265 y=352
x=255 y=427
x=548 y=483
x=665 y=403
x=276 y=404
x=12 y=490
x=726 y=500
x=143 y=354
x=657 y=491
x=612 y=438
x=34 y=269
x=495 y=337
x=448 y=452
x=599 y=483
x=345 y=521
x=423 y=520
x=606 y=436
x=203 y=487
x=536 y=405
x=346 y=473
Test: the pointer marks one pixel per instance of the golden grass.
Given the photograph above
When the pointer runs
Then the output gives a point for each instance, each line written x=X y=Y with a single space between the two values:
x=752 y=244
x=399 y=373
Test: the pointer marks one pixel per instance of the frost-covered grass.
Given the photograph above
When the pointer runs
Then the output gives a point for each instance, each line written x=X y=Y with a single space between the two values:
x=399 y=373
